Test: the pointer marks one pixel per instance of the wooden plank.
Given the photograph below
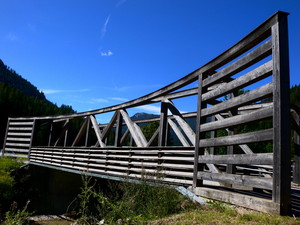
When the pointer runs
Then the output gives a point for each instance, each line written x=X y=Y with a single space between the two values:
x=18 y=134
x=118 y=135
x=16 y=155
x=260 y=159
x=62 y=132
x=281 y=143
x=178 y=133
x=20 y=128
x=17 y=150
x=154 y=136
x=243 y=180
x=251 y=77
x=296 y=123
x=250 y=202
x=182 y=123
x=246 y=98
x=162 y=138
x=18 y=144
x=18 y=139
x=110 y=125
x=135 y=131
x=26 y=123
x=97 y=130
x=248 y=60
x=81 y=132
x=251 y=137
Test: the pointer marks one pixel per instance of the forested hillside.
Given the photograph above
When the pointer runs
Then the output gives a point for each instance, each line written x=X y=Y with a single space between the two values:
x=18 y=97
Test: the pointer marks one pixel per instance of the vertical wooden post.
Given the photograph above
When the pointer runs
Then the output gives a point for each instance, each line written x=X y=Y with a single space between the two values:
x=296 y=172
x=231 y=131
x=198 y=149
x=87 y=131
x=118 y=130
x=66 y=133
x=4 y=143
x=50 y=135
x=281 y=114
x=163 y=124
x=212 y=135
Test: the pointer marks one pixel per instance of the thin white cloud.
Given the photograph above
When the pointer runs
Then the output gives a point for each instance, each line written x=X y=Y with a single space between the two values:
x=119 y=99
x=12 y=37
x=126 y=88
x=104 y=27
x=106 y=53
x=150 y=108
x=121 y=2
x=99 y=100
x=57 y=91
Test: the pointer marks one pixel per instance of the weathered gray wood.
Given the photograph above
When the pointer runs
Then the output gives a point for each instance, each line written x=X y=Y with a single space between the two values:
x=296 y=171
x=125 y=135
x=184 y=125
x=251 y=77
x=97 y=130
x=87 y=131
x=246 y=98
x=222 y=123
x=136 y=133
x=81 y=132
x=250 y=202
x=281 y=143
x=260 y=159
x=251 y=137
x=199 y=121
x=109 y=126
x=154 y=136
x=163 y=124
x=243 y=180
x=18 y=139
x=118 y=130
x=246 y=61
x=178 y=133
x=63 y=132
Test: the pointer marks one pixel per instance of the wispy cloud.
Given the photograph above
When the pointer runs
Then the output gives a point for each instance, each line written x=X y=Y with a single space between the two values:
x=106 y=53
x=121 y=2
x=133 y=87
x=119 y=99
x=12 y=37
x=150 y=108
x=98 y=100
x=104 y=27
x=57 y=91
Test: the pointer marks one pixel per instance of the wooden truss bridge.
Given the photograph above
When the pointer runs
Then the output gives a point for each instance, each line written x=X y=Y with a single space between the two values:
x=213 y=154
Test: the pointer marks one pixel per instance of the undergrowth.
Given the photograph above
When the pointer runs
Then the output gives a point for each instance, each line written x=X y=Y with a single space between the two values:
x=128 y=203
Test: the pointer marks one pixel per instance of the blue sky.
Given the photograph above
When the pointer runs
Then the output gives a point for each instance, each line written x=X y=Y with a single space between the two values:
x=96 y=53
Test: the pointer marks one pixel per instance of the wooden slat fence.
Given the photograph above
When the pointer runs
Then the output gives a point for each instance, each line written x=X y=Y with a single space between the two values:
x=237 y=136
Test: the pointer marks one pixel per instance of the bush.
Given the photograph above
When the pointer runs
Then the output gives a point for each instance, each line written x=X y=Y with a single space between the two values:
x=127 y=202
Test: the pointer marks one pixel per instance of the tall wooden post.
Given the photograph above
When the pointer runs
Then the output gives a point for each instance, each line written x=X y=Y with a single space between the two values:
x=198 y=149
x=163 y=124
x=118 y=130
x=281 y=114
x=296 y=172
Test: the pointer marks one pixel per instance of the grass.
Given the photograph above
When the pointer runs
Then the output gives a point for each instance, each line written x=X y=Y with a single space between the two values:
x=219 y=213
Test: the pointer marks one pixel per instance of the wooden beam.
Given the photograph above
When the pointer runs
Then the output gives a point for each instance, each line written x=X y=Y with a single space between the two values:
x=97 y=131
x=281 y=121
x=81 y=132
x=178 y=133
x=163 y=124
x=136 y=133
x=246 y=98
x=259 y=159
x=250 y=137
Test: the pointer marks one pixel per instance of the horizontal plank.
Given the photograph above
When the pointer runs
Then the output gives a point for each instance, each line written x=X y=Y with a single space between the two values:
x=243 y=180
x=247 y=201
x=263 y=158
x=116 y=173
x=251 y=77
x=251 y=58
x=17 y=144
x=18 y=139
x=16 y=150
x=238 y=139
x=15 y=155
x=19 y=123
x=256 y=115
x=20 y=128
x=244 y=99
x=18 y=134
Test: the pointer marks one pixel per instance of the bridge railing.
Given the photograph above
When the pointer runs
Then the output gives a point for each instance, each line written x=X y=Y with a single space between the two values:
x=238 y=134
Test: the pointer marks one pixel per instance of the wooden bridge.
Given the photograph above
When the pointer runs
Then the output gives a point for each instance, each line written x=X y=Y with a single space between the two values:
x=235 y=143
